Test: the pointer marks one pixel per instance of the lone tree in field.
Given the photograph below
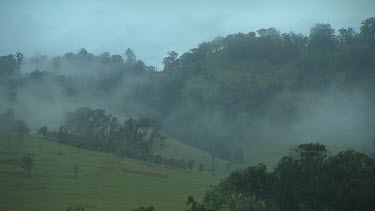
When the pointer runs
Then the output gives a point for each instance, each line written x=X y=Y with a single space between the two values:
x=27 y=164
x=191 y=165
x=200 y=168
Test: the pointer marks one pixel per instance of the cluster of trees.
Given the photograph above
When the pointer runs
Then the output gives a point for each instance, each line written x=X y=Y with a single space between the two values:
x=96 y=130
x=9 y=123
x=237 y=79
x=181 y=164
x=310 y=179
x=274 y=47
x=10 y=65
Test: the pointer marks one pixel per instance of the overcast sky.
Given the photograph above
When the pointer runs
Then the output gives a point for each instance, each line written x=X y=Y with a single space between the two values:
x=151 y=28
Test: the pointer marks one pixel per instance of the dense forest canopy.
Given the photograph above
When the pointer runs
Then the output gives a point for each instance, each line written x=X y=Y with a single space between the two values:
x=227 y=90
x=309 y=179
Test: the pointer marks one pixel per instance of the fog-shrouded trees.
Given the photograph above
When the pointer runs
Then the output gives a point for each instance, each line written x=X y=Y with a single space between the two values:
x=10 y=65
x=200 y=168
x=103 y=132
x=170 y=61
x=368 y=29
x=9 y=123
x=322 y=35
x=347 y=35
x=221 y=89
x=191 y=165
x=43 y=131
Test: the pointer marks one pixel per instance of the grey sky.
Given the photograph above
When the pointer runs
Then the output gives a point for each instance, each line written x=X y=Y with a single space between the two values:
x=151 y=28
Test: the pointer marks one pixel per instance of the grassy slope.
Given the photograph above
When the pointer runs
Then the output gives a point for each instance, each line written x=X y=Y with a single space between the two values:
x=178 y=150
x=104 y=182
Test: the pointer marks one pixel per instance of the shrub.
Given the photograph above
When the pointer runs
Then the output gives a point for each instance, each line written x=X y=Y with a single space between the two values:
x=27 y=164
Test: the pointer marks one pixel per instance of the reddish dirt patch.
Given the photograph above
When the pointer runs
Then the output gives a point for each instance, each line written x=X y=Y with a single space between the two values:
x=14 y=162
x=12 y=172
x=108 y=168
x=113 y=165
x=144 y=173
x=35 y=187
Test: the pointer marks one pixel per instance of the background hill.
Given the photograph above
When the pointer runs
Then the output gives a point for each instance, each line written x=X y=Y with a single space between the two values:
x=227 y=93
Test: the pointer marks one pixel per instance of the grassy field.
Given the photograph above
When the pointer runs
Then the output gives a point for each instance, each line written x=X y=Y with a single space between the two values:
x=107 y=182
x=104 y=182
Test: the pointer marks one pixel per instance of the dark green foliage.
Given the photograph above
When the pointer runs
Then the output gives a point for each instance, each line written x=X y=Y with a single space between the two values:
x=171 y=163
x=130 y=57
x=96 y=130
x=10 y=65
x=322 y=35
x=62 y=135
x=43 y=131
x=75 y=208
x=157 y=159
x=27 y=165
x=372 y=152
x=170 y=61
x=9 y=123
x=176 y=164
x=151 y=208
x=368 y=29
x=195 y=206
x=312 y=180
x=181 y=164
x=347 y=35
x=191 y=165
x=200 y=168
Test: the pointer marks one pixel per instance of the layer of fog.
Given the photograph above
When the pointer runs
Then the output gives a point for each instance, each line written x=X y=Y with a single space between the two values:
x=335 y=116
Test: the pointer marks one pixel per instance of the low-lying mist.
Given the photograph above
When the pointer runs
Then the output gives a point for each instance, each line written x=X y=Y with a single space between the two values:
x=228 y=92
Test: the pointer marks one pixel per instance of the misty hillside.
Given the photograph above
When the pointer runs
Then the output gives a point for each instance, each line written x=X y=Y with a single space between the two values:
x=187 y=105
x=233 y=89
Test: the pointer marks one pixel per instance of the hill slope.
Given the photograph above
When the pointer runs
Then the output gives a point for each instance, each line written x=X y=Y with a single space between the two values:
x=104 y=182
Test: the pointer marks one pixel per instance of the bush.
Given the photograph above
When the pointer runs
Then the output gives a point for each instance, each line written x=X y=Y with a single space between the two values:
x=43 y=131
x=9 y=123
x=157 y=159
x=151 y=208
x=27 y=164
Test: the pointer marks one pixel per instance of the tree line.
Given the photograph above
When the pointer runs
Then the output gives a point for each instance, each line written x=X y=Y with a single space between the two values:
x=96 y=130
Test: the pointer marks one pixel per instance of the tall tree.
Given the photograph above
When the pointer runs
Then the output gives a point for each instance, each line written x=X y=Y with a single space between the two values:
x=170 y=61
x=322 y=35
x=368 y=29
